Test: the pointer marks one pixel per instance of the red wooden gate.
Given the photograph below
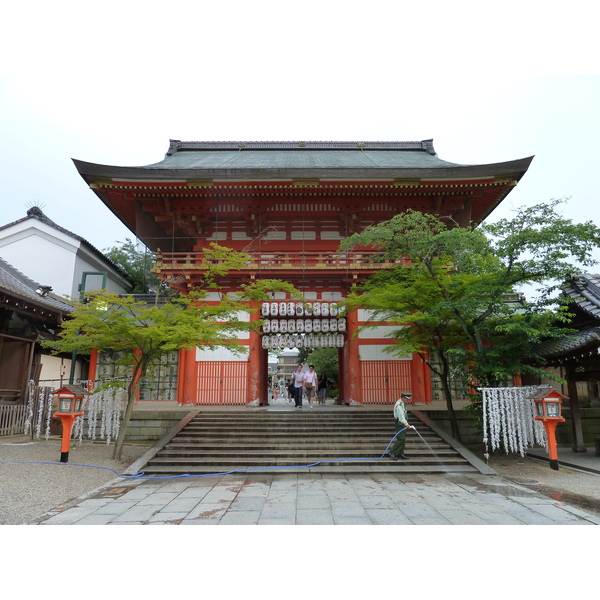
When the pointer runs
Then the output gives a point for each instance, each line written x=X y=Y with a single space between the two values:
x=222 y=383
x=384 y=380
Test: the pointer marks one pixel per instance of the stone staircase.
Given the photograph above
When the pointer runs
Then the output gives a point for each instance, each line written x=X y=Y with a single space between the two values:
x=334 y=439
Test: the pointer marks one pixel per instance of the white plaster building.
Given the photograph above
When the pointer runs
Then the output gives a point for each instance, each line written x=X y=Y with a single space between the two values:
x=53 y=256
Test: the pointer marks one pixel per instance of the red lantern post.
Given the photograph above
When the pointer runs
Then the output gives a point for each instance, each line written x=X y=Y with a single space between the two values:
x=70 y=400
x=548 y=410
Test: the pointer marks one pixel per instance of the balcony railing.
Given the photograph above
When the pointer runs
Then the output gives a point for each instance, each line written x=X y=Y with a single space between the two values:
x=283 y=261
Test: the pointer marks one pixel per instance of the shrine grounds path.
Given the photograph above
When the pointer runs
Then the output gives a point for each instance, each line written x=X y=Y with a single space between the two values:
x=40 y=490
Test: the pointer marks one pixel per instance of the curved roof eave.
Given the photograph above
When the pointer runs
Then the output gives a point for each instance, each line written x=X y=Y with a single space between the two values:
x=515 y=168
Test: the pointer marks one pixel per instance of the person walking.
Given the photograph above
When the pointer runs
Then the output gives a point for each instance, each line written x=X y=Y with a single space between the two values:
x=298 y=383
x=310 y=384
x=322 y=388
x=401 y=419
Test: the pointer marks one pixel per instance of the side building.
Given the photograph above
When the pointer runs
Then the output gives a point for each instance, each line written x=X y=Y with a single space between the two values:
x=29 y=314
x=56 y=257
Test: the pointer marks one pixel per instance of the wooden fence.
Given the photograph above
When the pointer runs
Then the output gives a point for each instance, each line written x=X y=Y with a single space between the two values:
x=12 y=419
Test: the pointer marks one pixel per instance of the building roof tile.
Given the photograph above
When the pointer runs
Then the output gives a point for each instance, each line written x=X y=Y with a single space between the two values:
x=15 y=282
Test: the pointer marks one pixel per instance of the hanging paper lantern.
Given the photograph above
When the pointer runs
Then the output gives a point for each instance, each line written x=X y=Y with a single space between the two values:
x=339 y=340
x=274 y=309
x=283 y=326
x=325 y=325
x=333 y=310
x=282 y=309
x=266 y=326
x=285 y=340
x=266 y=341
x=307 y=325
x=264 y=310
x=299 y=309
x=308 y=310
x=316 y=325
x=274 y=325
x=341 y=324
x=291 y=309
x=324 y=309
x=333 y=325
x=332 y=340
x=300 y=325
x=291 y=325
x=299 y=342
x=317 y=309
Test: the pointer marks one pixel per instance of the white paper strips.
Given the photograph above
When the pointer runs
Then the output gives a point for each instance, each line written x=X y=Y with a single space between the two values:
x=509 y=420
x=103 y=411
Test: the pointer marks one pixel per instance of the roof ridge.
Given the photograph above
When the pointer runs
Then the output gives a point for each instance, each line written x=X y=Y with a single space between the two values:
x=179 y=145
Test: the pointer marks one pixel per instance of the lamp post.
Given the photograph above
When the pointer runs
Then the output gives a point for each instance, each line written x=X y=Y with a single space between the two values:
x=70 y=400
x=548 y=410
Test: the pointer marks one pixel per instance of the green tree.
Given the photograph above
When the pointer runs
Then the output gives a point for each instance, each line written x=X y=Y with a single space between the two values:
x=137 y=265
x=143 y=333
x=325 y=360
x=452 y=290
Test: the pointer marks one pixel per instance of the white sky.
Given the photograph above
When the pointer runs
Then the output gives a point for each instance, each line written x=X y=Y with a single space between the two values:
x=113 y=84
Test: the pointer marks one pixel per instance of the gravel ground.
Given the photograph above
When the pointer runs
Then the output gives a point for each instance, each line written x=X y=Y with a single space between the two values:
x=28 y=491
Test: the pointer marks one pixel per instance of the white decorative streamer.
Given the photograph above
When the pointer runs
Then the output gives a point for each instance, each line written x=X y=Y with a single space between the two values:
x=509 y=419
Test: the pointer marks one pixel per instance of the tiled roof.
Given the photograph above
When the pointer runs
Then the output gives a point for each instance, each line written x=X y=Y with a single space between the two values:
x=14 y=282
x=584 y=291
x=573 y=343
x=330 y=160
x=300 y=155
x=36 y=212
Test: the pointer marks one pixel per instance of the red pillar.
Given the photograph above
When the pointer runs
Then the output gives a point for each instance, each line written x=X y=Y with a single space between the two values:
x=253 y=395
x=420 y=381
x=352 y=379
x=93 y=369
x=263 y=394
x=187 y=386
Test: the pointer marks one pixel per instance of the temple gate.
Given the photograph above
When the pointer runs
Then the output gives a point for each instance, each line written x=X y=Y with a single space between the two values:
x=288 y=205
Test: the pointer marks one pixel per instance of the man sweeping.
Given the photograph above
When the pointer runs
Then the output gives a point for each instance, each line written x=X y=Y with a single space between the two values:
x=401 y=418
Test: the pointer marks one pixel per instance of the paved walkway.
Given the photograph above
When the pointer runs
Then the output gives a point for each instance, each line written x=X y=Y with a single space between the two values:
x=312 y=499
x=328 y=498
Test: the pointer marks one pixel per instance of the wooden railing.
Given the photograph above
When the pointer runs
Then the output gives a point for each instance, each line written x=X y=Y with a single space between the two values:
x=12 y=419
x=189 y=261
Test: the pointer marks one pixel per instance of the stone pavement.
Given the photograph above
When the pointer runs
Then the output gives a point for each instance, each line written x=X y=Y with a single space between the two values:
x=317 y=499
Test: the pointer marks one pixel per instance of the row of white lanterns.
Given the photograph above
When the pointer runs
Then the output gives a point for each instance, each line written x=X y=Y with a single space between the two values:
x=332 y=340
x=304 y=325
x=299 y=309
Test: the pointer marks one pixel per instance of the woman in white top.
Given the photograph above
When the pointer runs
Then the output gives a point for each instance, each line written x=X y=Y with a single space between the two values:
x=310 y=384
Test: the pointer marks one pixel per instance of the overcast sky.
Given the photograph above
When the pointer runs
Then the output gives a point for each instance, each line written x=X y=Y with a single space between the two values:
x=113 y=86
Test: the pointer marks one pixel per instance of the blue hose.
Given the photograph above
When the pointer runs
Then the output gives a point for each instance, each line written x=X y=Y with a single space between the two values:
x=140 y=474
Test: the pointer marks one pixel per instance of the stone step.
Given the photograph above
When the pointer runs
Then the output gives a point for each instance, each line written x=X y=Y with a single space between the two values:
x=288 y=445
x=340 y=469
x=291 y=451
x=249 y=461
x=344 y=442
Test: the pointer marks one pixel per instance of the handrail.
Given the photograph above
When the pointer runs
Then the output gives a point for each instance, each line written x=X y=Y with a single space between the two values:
x=284 y=260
